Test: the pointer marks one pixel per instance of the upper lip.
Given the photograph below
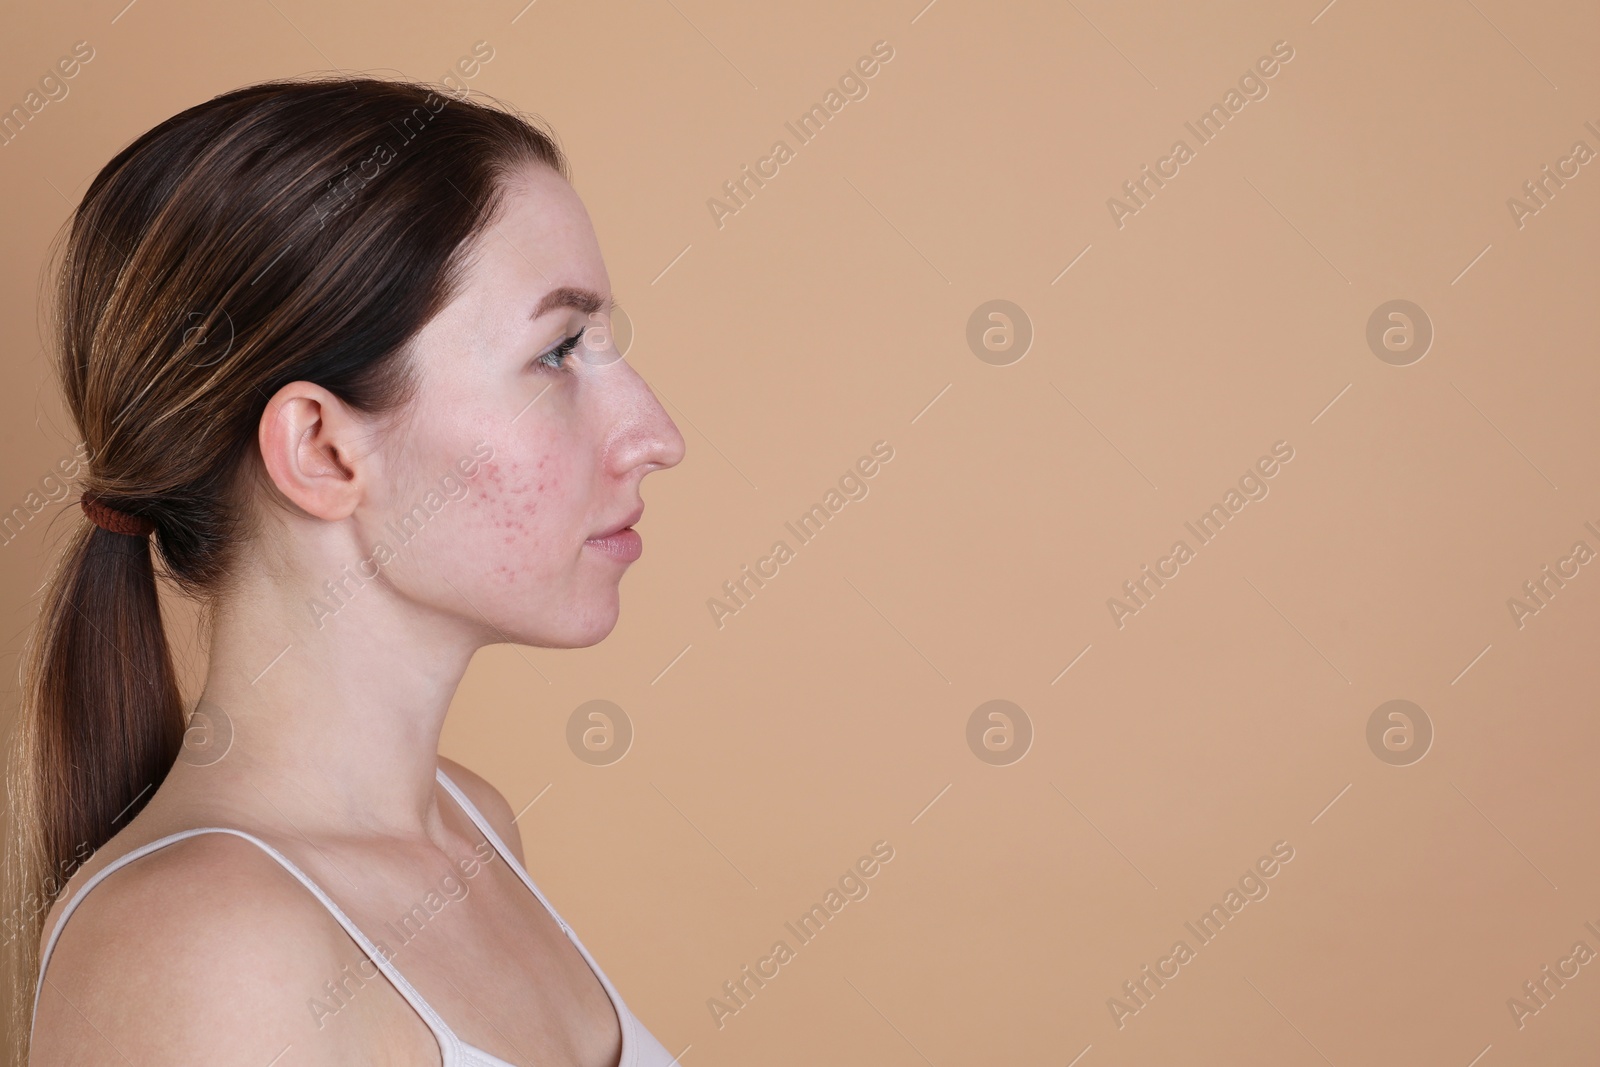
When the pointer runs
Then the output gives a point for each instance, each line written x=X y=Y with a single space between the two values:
x=631 y=518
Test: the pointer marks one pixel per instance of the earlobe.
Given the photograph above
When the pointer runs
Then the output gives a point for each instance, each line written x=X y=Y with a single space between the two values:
x=305 y=436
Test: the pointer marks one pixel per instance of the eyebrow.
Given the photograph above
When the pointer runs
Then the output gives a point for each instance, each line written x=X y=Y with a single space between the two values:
x=586 y=300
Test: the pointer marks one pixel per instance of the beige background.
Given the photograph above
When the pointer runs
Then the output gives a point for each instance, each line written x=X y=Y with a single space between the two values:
x=831 y=312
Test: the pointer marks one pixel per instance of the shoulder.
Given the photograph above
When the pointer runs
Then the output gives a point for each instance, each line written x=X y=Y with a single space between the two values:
x=489 y=801
x=204 y=951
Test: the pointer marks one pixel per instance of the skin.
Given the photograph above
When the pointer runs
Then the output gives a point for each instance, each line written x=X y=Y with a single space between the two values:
x=207 y=950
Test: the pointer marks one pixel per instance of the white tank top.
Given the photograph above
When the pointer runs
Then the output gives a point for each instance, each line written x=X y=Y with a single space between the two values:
x=639 y=1047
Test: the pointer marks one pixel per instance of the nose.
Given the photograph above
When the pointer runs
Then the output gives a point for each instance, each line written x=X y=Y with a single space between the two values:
x=645 y=435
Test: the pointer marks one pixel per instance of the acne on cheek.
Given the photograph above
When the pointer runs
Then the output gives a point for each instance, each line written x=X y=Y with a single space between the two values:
x=502 y=509
x=509 y=496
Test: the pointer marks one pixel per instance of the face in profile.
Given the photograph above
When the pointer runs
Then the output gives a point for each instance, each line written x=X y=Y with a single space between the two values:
x=557 y=435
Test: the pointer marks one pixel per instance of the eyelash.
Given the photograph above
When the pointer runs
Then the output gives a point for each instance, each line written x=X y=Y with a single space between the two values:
x=560 y=352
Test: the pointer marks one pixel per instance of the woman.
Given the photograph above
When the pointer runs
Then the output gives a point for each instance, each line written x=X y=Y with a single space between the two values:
x=338 y=351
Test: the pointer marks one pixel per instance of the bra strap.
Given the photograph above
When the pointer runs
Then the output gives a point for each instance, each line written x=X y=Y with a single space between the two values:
x=625 y=1018
x=449 y=1044
x=499 y=846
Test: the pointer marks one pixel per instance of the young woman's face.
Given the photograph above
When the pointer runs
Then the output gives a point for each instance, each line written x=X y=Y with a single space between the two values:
x=532 y=452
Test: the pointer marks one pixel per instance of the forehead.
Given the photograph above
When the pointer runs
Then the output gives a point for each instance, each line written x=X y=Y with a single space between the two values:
x=541 y=240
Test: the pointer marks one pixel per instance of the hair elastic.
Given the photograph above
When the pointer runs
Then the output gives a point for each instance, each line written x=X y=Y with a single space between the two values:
x=109 y=518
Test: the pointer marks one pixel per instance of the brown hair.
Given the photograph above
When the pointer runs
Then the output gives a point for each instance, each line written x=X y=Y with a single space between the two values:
x=293 y=230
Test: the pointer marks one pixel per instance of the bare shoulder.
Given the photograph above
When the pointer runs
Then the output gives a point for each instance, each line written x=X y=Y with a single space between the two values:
x=489 y=801
x=208 y=951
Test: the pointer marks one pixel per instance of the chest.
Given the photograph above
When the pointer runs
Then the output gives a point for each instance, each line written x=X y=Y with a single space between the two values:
x=490 y=959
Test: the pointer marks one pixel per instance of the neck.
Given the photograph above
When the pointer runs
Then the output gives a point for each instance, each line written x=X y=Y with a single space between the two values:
x=335 y=718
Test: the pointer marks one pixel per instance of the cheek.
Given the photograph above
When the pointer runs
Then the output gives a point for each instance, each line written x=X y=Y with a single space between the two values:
x=518 y=515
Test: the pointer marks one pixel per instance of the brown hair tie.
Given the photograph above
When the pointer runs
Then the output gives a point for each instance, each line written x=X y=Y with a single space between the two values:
x=109 y=518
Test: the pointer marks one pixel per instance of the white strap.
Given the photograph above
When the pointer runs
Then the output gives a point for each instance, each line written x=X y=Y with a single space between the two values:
x=499 y=846
x=625 y=1018
x=449 y=1044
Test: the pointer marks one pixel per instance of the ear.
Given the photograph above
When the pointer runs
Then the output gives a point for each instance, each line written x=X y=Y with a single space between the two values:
x=308 y=441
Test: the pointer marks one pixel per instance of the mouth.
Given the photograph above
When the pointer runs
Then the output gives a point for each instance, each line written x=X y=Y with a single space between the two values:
x=625 y=523
x=621 y=542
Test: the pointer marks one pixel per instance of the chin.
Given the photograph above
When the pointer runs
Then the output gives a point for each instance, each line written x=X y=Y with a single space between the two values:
x=585 y=626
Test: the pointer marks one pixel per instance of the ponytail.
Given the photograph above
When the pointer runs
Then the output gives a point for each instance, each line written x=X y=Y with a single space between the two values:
x=101 y=724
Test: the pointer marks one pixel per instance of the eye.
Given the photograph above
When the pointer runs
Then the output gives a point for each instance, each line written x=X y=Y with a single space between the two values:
x=553 y=358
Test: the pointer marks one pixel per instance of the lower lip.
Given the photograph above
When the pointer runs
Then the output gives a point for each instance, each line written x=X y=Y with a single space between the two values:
x=625 y=545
